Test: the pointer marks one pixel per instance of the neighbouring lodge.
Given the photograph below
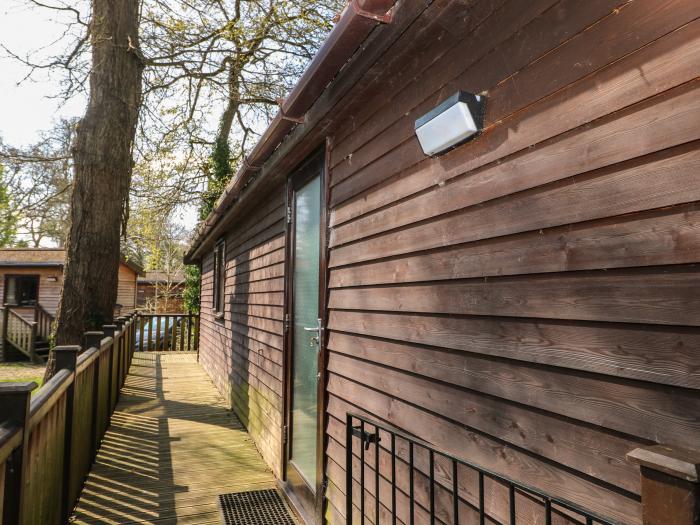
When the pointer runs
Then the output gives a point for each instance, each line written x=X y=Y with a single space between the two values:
x=160 y=291
x=526 y=300
x=32 y=277
x=31 y=280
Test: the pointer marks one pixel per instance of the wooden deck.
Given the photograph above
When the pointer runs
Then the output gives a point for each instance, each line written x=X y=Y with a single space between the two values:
x=173 y=446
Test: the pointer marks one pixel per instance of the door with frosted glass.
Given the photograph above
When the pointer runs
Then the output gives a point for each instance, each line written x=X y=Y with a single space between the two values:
x=305 y=335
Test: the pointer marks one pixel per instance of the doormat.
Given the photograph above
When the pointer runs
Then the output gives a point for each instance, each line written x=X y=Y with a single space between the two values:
x=256 y=507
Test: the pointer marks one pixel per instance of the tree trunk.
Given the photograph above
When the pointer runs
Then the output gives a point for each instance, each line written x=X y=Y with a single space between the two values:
x=232 y=104
x=102 y=154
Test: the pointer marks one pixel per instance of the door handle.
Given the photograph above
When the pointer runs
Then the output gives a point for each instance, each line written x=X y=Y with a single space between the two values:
x=318 y=329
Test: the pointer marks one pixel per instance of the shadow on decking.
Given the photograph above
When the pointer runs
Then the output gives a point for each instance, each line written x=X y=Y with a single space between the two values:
x=172 y=447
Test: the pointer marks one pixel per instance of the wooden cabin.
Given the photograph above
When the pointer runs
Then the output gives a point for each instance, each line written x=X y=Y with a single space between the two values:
x=34 y=276
x=160 y=291
x=527 y=300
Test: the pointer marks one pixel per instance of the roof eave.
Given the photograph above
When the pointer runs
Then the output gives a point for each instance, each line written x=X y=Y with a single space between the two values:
x=354 y=25
x=13 y=264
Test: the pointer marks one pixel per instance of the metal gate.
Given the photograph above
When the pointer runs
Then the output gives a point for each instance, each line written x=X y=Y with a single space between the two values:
x=420 y=459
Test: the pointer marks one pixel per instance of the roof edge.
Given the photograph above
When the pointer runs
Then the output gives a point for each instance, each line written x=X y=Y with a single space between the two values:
x=354 y=25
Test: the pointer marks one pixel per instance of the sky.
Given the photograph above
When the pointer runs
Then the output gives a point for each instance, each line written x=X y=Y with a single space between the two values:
x=27 y=109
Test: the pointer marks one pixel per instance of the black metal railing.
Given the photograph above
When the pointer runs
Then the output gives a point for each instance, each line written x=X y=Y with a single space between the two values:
x=402 y=479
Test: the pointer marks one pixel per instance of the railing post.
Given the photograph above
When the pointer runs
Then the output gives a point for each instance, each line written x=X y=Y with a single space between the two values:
x=93 y=339
x=32 y=344
x=66 y=359
x=121 y=321
x=670 y=485
x=134 y=326
x=196 y=335
x=110 y=331
x=3 y=332
x=14 y=411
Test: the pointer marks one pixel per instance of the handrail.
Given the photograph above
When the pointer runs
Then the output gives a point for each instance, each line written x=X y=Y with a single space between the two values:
x=47 y=396
x=86 y=359
x=39 y=307
x=10 y=439
x=62 y=424
x=44 y=320
x=162 y=314
x=550 y=504
x=20 y=333
x=19 y=318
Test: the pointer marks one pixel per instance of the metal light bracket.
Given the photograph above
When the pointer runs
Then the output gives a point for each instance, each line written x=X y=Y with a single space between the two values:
x=366 y=437
x=284 y=116
x=386 y=18
x=250 y=166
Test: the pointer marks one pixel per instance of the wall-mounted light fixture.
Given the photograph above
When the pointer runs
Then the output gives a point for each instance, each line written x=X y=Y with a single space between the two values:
x=52 y=279
x=454 y=121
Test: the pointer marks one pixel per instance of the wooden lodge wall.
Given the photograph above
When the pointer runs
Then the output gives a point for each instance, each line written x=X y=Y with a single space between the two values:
x=242 y=352
x=126 y=289
x=528 y=301
x=49 y=290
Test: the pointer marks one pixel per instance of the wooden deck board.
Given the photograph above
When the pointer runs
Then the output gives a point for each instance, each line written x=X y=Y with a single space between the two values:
x=171 y=449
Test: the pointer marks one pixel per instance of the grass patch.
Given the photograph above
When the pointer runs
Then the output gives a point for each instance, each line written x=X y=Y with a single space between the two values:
x=21 y=372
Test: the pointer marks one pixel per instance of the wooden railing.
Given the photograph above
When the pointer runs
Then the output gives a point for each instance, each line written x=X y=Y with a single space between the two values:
x=167 y=332
x=20 y=333
x=48 y=441
x=44 y=322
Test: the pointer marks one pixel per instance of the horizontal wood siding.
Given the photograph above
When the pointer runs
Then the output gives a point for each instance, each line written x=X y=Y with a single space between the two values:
x=242 y=351
x=49 y=290
x=527 y=301
x=126 y=290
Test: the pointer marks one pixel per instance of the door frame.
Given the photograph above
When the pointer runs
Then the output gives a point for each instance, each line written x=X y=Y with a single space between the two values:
x=309 y=503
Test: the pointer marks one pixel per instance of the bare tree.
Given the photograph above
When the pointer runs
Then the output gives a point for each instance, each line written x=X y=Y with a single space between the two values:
x=157 y=241
x=39 y=179
x=102 y=154
x=216 y=71
x=212 y=72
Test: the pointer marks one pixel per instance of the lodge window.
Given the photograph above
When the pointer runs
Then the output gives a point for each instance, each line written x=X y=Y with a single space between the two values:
x=22 y=290
x=219 y=277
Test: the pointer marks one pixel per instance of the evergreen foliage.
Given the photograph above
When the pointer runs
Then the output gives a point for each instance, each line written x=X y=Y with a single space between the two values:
x=8 y=219
x=218 y=177
x=190 y=295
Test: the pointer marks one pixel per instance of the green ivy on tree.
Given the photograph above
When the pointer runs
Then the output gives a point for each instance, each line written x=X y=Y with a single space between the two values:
x=219 y=175
x=190 y=296
x=8 y=220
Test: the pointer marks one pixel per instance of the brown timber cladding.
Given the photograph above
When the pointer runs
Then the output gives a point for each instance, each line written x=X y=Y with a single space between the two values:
x=242 y=351
x=51 y=282
x=527 y=301
x=126 y=290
